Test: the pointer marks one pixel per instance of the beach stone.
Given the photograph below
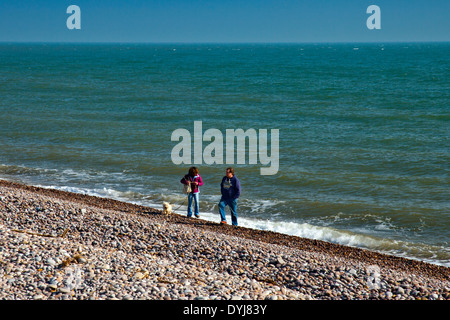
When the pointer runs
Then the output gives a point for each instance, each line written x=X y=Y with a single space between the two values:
x=434 y=296
x=162 y=258
x=50 y=261
x=82 y=260
x=52 y=286
x=139 y=275
x=280 y=260
x=400 y=290
x=64 y=290
x=104 y=266
x=352 y=272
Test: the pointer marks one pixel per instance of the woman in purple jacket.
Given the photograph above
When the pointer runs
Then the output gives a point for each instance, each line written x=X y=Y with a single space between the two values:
x=193 y=178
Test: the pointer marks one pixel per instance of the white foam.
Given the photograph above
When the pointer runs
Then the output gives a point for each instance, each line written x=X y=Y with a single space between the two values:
x=332 y=235
x=355 y=238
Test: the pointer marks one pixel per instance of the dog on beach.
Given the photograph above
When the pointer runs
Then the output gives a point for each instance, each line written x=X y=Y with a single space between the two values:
x=167 y=208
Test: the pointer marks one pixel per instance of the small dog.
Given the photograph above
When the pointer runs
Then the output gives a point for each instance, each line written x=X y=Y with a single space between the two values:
x=167 y=208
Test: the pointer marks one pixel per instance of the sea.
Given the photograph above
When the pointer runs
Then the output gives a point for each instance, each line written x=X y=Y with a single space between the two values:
x=363 y=144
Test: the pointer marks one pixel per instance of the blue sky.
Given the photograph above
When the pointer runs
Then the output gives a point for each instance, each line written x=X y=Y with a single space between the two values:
x=225 y=21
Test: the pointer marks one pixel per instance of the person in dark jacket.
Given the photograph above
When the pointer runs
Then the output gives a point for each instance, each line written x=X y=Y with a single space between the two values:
x=195 y=180
x=230 y=188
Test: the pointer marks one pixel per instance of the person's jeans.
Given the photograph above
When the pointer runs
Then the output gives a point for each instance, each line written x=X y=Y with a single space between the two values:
x=193 y=196
x=232 y=203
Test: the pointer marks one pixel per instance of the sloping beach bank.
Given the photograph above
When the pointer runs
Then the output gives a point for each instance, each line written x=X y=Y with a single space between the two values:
x=61 y=245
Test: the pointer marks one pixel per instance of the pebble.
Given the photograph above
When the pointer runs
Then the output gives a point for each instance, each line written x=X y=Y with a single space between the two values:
x=51 y=262
x=64 y=290
x=160 y=260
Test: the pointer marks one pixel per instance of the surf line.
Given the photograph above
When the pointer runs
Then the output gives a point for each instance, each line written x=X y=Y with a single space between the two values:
x=213 y=153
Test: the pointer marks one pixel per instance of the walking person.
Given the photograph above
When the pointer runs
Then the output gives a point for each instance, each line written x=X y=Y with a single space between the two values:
x=193 y=179
x=230 y=188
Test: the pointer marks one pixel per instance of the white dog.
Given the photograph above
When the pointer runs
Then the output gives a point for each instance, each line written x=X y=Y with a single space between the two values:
x=167 y=208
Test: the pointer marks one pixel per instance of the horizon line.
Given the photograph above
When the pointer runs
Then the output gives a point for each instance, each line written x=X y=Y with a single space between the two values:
x=217 y=42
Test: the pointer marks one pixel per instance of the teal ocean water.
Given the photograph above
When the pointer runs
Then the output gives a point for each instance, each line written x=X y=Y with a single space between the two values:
x=363 y=132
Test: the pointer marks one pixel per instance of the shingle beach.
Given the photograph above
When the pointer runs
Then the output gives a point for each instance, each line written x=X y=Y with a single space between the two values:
x=56 y=245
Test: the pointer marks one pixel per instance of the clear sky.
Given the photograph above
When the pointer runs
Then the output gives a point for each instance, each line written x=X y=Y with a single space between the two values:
x=224 y=21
